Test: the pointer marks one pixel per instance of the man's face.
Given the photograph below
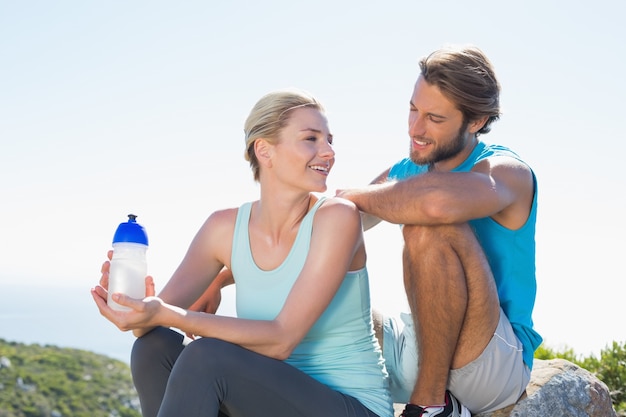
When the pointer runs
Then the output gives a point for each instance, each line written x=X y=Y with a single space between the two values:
x=439 y=135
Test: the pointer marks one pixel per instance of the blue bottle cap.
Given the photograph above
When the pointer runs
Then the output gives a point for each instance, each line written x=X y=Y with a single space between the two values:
x=131 y=231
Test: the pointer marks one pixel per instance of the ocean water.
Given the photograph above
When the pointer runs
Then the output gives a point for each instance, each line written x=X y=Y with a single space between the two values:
x=64 y=316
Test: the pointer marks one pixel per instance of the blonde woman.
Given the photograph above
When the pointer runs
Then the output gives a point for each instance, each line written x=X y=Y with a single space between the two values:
x=303 y=342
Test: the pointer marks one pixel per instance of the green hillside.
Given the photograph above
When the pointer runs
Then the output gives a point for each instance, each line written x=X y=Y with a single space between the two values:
x=38 y=381
x=49 y=381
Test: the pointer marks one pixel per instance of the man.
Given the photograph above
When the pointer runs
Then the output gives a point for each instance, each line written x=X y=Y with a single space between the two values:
x=468 y=212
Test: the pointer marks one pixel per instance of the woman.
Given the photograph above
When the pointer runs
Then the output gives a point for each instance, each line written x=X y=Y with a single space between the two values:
x=302 y=344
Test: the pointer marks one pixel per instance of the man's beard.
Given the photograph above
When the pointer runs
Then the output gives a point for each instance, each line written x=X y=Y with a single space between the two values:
x=442 y=153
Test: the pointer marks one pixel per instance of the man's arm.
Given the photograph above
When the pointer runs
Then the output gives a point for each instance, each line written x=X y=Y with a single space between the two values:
x=368 y=220
x=500 y=187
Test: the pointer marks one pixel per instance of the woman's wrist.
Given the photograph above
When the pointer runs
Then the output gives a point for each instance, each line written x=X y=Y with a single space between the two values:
x=173 y=316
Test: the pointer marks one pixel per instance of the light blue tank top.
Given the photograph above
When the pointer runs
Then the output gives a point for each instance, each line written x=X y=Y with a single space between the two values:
x=511 y=253
x=340 y=350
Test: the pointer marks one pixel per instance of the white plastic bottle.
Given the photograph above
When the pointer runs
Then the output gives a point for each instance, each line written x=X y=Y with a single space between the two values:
x=128 y=264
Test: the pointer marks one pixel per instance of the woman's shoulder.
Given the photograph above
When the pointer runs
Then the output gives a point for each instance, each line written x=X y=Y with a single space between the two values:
x=225 y=217
x=222 y=215
x=339 y=204
x=339 y=209
x=218 y=227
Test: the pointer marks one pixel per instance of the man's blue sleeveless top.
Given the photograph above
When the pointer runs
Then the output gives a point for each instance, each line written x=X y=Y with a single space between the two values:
x=511 y=253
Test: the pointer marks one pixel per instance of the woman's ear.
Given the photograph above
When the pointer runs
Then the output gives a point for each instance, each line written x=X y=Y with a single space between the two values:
x=263 y=150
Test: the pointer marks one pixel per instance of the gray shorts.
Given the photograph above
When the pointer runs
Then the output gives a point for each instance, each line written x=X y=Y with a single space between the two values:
x=496 y=379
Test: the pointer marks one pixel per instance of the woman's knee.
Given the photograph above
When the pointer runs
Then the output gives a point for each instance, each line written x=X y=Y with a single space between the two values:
x=208 y=348
x=159 y=346
x=208 y=356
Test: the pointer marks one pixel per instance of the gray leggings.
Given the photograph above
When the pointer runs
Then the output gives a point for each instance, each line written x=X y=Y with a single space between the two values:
x=210 y=377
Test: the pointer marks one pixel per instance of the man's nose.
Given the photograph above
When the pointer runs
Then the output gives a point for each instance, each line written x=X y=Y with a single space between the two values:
x=417 y=127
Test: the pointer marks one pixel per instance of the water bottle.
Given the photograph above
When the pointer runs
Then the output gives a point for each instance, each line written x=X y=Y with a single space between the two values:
x=128 y=264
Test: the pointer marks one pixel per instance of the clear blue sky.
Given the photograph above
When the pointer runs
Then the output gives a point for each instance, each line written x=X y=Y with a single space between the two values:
x=114 y=107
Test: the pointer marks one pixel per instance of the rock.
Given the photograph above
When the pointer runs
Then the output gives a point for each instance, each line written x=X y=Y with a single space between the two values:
x=560 y=388
x=557 y=388
x=5 y=362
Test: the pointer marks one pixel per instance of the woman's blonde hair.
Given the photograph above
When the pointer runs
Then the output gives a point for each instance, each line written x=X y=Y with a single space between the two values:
x=269 y=115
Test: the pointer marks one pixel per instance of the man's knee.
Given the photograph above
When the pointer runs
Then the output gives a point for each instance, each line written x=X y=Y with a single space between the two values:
x=428 y=236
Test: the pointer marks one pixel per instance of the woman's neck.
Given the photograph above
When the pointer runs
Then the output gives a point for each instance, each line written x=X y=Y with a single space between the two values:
x=276 y=217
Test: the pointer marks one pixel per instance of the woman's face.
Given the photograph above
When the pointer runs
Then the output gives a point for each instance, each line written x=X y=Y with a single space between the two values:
x=303 y=155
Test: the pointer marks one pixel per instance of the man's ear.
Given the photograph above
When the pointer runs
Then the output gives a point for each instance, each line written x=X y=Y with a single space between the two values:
x=263 y=150
x=477 y=124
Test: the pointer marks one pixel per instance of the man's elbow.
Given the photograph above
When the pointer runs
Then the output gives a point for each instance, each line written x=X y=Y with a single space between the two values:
x=439 y=214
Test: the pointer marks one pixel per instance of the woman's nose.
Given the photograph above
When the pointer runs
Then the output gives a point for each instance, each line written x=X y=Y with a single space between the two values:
x=327 y=150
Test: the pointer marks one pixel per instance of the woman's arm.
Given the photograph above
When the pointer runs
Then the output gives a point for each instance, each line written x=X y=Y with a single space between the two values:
x=204 y=259
x=206 y=256
x=211 y=299
x=336 y=246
